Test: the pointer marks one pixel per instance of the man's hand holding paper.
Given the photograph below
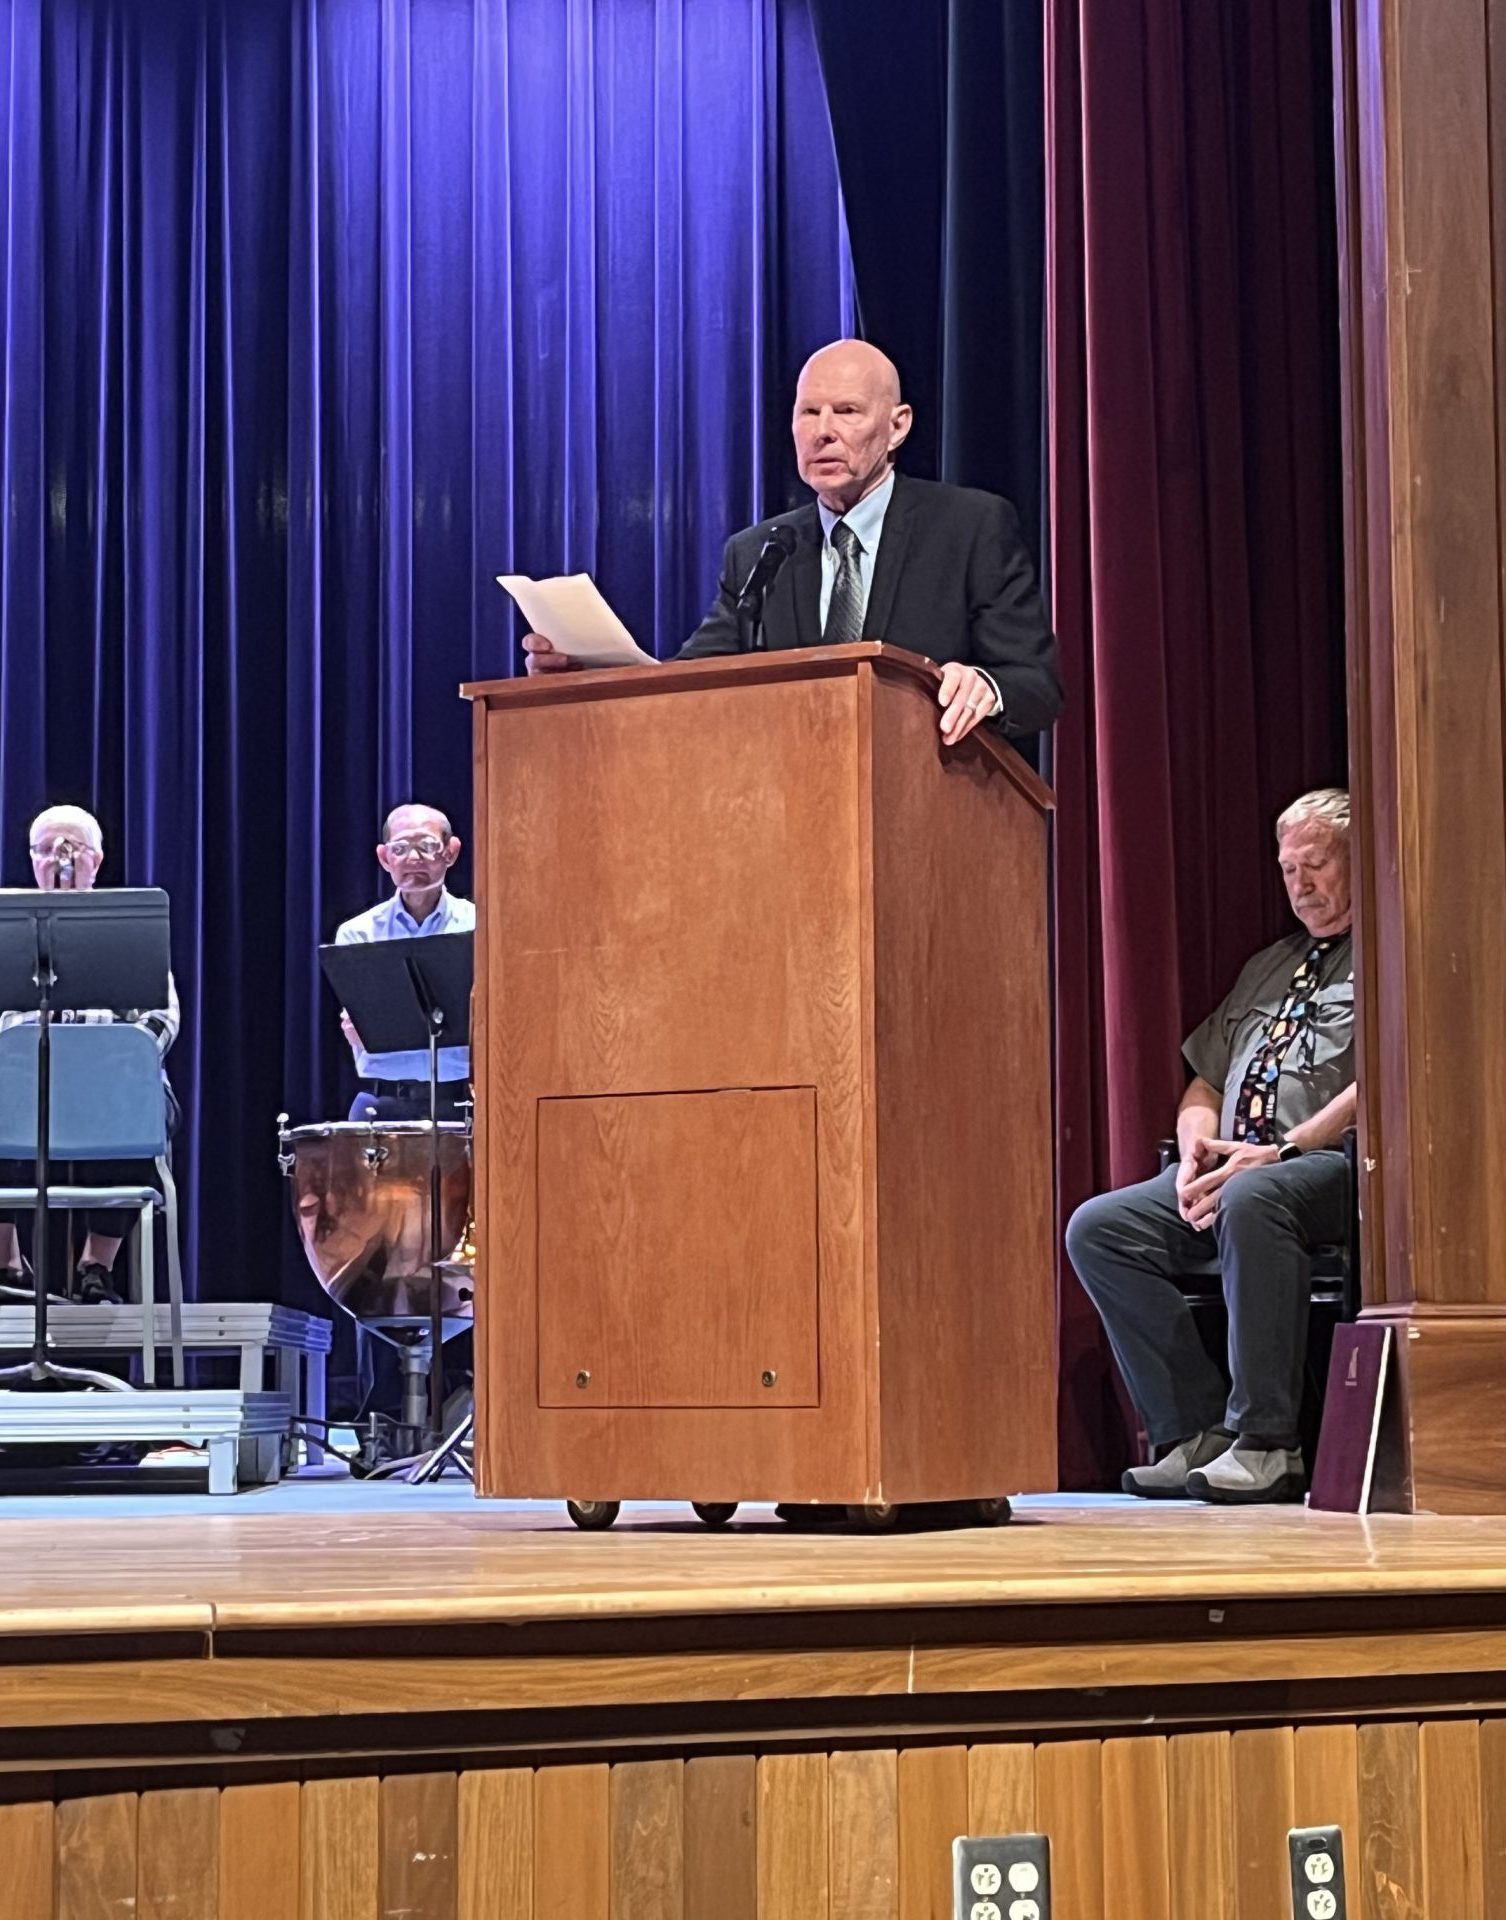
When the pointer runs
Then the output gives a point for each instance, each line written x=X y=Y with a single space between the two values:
x=582 y=629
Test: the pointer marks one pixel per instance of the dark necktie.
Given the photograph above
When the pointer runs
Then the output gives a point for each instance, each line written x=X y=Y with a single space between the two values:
x=1255 y=1109
x=844 y=615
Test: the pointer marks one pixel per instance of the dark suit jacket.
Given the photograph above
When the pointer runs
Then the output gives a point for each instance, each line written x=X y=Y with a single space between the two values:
x=952 y=580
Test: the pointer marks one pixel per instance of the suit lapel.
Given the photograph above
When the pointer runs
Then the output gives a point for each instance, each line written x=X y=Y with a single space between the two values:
x=890 y=562
x=804 y=570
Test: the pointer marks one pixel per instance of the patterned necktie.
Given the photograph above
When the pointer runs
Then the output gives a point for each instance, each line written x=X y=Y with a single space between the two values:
x=844 y=615
x=1255 y=1109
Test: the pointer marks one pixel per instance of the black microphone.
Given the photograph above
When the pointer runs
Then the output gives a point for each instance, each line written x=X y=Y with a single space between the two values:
x=776 y=550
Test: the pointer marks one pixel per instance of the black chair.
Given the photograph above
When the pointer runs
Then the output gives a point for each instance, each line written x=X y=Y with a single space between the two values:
x=1335 y=1295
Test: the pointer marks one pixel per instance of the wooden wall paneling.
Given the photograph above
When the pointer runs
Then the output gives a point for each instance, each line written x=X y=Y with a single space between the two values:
x=932 y=1812
x=1069 y=1810
x=27 y=1844
x=494 y=1825
x=340 y=1844
x=1001 y=1788
x=1493 y=1814
x=96 y=1857
x=420 y=1847
x=794 y=1840
x=1261 y=1777
x=721 y=1837
x=1325 y=1779
x=1199 y=1790
x=177 y=1849
x=1448 y=1755
x=1136 y=1872
x=647 y=1810
x=259 y=1851
x=1389 y=1869
x=864 y=1815
x=571 y=1843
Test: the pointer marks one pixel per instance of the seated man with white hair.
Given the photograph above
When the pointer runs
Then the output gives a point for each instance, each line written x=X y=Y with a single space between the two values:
x=416 y=852
x=67 y=851
x=1261 y=1183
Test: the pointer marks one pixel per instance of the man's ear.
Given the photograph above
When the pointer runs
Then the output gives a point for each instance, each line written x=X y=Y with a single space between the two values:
x=452 y=850
x=384 y=860
x=900 y=422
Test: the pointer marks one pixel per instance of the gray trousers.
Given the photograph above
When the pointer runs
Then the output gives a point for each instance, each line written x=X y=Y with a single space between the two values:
x=1127 y=1247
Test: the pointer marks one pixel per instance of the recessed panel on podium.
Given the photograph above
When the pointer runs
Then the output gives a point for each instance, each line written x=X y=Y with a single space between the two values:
x=677 y=1250
x=763 y=1122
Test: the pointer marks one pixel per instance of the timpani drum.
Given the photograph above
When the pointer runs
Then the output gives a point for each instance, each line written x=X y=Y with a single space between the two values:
x=360 y=1193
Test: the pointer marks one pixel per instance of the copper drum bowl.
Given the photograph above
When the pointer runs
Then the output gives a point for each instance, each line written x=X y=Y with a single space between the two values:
x=361 y=1205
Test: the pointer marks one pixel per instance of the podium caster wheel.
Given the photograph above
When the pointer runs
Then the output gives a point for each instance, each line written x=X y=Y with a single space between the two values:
x=713 y=1513
x=991 y=1513
x=593 y=1516
x=882 y=1517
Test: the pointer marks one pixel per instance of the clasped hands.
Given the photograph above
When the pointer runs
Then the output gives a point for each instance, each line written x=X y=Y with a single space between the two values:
x=965 y=696
x=1206 y=1168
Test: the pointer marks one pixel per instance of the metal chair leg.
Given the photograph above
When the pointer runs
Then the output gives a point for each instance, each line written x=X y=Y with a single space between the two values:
x=174 y=1270
x=145 y=1290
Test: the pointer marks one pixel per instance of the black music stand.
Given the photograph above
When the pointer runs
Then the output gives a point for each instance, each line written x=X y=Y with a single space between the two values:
x=404 y=996
x=65 y=952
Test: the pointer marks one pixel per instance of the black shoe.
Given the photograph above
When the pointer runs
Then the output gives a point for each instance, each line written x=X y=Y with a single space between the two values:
x=95 y=1285
x=16 y=1282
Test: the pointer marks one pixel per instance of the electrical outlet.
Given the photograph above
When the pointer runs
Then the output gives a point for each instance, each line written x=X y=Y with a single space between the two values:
x=1317 y=1873
x=1007 y=1877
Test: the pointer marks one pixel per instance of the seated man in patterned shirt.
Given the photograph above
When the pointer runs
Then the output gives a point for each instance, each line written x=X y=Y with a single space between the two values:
x=67 y=851
x=1260 y=1183
x=416 y=852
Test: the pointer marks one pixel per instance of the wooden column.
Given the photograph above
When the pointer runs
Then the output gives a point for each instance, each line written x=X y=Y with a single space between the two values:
x=1421 y=143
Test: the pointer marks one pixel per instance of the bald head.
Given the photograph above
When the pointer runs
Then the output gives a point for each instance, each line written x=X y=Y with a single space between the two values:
x=855 y=363
x=849 y=422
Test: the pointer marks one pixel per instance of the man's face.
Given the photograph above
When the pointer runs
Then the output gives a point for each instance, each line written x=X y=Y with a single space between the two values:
x=416 y=852
x=848 y=420
x=1315 y=867
x=61 y=856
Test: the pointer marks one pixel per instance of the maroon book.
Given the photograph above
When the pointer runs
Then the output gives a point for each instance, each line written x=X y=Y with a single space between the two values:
x=1344 y=1476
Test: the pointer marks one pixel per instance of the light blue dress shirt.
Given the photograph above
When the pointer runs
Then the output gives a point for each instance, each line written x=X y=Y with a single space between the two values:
x=867 y=521
x=392 y=921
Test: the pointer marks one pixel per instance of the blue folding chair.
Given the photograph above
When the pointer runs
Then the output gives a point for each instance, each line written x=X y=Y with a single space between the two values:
x=107 y=1104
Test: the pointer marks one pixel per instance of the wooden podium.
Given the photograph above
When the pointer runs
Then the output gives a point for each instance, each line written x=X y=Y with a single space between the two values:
x=762 y=1061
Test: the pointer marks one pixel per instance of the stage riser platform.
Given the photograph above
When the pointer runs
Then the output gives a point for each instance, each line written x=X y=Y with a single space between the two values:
x=452 y=1711
x=1143 y=1827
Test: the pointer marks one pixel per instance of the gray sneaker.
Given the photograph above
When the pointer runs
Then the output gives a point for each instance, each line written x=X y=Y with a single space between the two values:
x=1250 y=1476
x=1167 y=1479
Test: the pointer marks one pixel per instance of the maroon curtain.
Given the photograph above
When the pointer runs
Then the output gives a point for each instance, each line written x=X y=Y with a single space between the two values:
x=1196 y=552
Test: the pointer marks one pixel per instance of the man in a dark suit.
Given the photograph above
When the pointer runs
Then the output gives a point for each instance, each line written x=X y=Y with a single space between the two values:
x=939 y=570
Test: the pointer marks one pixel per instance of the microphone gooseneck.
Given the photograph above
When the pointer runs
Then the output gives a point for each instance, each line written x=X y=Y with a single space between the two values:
x=775 y=551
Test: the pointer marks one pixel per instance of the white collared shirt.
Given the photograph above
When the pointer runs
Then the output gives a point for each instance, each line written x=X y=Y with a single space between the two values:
x=392 y=921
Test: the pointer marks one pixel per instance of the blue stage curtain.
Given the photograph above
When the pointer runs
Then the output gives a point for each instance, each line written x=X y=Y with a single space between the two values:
x=315 y=317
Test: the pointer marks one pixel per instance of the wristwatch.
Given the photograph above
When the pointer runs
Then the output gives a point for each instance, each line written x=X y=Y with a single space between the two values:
x=1288 y=1150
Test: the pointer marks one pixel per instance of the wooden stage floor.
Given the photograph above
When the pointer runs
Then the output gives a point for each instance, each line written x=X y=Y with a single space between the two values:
x=446 y=1561
x=407 y=1701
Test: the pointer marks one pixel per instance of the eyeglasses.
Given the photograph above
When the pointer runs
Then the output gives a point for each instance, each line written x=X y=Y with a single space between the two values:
x=429 y=848
x=60 y=849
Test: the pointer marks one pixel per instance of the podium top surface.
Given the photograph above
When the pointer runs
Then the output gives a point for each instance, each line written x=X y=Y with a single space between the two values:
x=729 y=669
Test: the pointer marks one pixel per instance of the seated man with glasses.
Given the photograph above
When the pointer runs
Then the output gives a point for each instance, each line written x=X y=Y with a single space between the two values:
x=417 y=851
x=67 y=852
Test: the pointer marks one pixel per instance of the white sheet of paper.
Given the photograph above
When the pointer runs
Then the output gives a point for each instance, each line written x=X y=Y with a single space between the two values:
x=570 y=611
